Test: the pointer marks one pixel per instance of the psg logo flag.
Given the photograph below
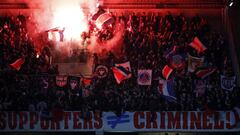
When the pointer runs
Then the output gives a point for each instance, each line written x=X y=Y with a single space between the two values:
x=228 y=83
x=101 y=71
x=144 y=77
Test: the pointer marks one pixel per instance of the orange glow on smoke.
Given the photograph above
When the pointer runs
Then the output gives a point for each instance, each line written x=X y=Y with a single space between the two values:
x=69 y=15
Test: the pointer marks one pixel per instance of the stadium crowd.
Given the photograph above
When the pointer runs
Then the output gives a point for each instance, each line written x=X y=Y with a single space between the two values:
x=148 y=39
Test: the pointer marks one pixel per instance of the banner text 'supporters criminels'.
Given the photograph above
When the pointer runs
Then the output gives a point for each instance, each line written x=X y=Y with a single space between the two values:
x=210 y=121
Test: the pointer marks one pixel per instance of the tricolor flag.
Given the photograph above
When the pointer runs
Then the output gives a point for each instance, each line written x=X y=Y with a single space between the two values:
x=166 y=72
x=166 y=88
x=198 y=45
x=144 y=77
x=18 y=64
x=228 y=83
x=194 y=63
x=120 y=73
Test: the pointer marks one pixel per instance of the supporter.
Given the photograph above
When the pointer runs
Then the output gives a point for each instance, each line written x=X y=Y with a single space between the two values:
x=148 y=40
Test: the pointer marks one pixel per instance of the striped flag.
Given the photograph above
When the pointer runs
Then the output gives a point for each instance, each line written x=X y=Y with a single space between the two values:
x=166 y=72
x=101 y=18
x=198 y=45
x=202 y=73
x=18 y=64
x=166 y=88
x=120 y=73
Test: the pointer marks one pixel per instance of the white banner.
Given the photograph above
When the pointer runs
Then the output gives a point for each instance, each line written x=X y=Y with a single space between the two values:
x=218 y=121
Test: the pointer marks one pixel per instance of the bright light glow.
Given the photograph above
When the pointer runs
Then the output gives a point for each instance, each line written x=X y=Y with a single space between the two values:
x=231 y=3
x=70 y=16
x=37 y=56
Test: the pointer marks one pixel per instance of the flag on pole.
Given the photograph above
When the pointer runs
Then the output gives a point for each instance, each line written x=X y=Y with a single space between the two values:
x=198 y=45
x=18 y=64
x=120 y=73
x=166 y=88
x=194 y=63
x=166 y=72
x=228 y=83
x=144 y=77
x=203 y=73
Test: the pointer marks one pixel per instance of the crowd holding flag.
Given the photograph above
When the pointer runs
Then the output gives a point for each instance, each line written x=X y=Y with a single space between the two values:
x=198 y=45
x=166 y=88
x=166 y=72
x=18 y=64
x=144 y=77
x=228 y=83
x=194 y=63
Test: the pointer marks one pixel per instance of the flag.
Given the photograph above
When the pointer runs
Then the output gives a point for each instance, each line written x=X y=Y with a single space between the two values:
x=166 y=72
x=101 y=71
x=86 y=81
x=198 y=45
x=177 y=61
x=61 y=80
x=202 y=73
x=144 y=77
x=194 y=63
x=126 y=65
x=102 y=18
x=56 y=34
x=120 y=73
x=166 y=88
x=228 y=83
x=18 y=64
